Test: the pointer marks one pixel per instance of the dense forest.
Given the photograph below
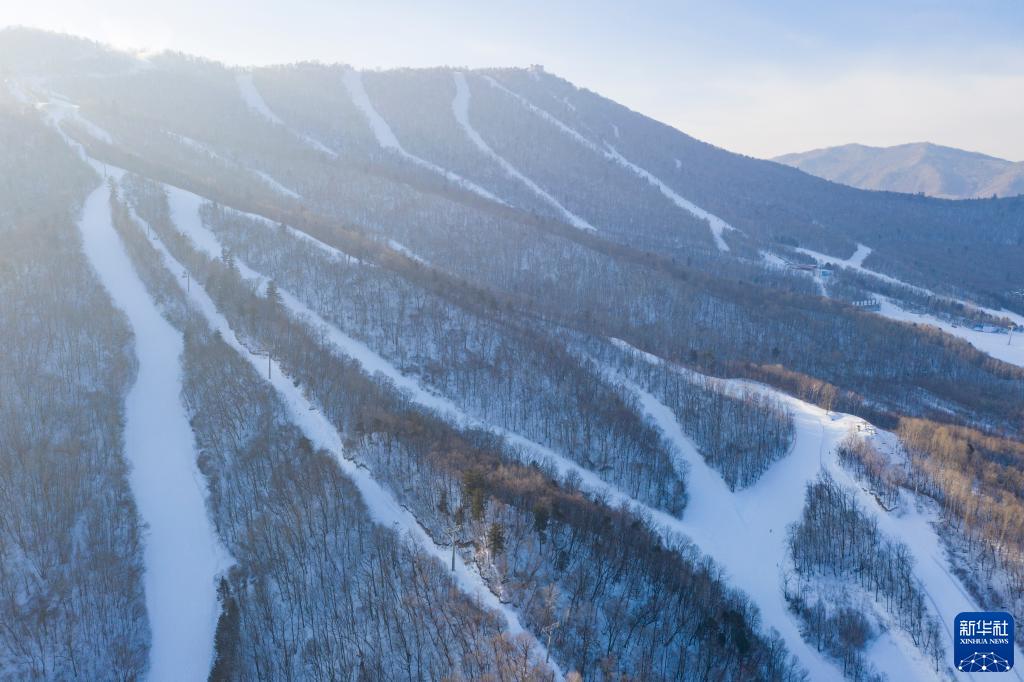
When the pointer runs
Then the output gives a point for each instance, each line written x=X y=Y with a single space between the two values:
x=464 y=356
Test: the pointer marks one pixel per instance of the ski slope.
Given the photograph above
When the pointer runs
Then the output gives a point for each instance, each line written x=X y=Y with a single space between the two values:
x=1000 y=346
x=856 y=263
x=760 y=582
x=1006 y=347
x=732 y=527
x=383 y=507
x=254 y=100
x=183 y=555
x=460 y=107
x=716 y=224
x=277 y=186
x=387 y=139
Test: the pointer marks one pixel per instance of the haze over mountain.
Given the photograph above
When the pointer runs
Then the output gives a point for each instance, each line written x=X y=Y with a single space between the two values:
x=313 y=372
x=919 y=167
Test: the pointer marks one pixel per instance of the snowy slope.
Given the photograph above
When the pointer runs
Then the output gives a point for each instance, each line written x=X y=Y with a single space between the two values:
x=387 y=140
x=1006 y=347
x=183 y=555
x=759 y=582
x=460 y=107
x=717 y=225
x=384 y=508
x=254 y=100
x=733 y=527
x=1000 y=346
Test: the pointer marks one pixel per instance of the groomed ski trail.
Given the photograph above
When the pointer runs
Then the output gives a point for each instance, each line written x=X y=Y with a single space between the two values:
x=668 y=527
x=716 y=224
x=732 y=527
x=183 y=555
x=254 y=100
x=383 y=507
x=460 y=107
x=387 y=139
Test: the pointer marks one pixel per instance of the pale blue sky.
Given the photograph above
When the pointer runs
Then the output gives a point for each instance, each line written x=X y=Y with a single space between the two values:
x=758 y=77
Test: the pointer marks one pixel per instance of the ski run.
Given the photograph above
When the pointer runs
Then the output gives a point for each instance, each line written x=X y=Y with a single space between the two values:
x=1005 y=347
x=387 y=139
x=730 y=527
x=716 y=224
x=254 y=100
x=460 y=107
x=384 y=508
x=183 y=556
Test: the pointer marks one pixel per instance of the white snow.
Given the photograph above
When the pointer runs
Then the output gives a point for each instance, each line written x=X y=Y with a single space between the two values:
x=387 y=139
x=734 y=527
x=1006 y=347
x=183 y=556
x=406 y=251
x=267 y=178
x=730 y=527
x=460 y=106
x=717 y=225
x=857 y=259
x=856 y=263
x=58 y=109
x=254 y=100
x=383 y=507
x=773 y=261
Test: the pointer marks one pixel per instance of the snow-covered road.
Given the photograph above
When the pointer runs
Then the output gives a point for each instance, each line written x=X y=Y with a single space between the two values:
x=183 y=555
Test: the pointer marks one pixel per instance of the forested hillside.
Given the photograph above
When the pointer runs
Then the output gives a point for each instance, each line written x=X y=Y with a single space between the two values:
x=478 y=375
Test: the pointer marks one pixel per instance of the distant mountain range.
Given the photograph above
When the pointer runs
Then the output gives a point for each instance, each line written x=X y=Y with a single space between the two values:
x=920 y=167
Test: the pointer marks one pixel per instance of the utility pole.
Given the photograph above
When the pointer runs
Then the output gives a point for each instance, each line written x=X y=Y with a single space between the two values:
x=270 y=359
x=451 y=535
x=188 y=281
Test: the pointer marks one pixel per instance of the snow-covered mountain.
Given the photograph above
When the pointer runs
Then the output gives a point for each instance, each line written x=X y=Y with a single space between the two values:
x=915 y=168
x=476 y=374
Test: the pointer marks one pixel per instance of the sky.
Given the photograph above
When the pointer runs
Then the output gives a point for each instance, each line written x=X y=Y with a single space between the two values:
x=757 y=77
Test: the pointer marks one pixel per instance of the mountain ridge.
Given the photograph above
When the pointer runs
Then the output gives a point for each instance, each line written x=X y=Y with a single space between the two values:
x=916 y=167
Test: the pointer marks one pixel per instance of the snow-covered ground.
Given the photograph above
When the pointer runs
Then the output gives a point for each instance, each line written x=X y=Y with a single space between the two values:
x=1006 y=347
x=269 y=179
x=856 y=262
x=387 y=139
x=460 y=107
x=717 y=225
x=734 y=527
x=406 y=251
x=254 y=100
x=383 y=507
x=183 y=555
x=206 y=150
x=999 y=346
x=703 y=526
